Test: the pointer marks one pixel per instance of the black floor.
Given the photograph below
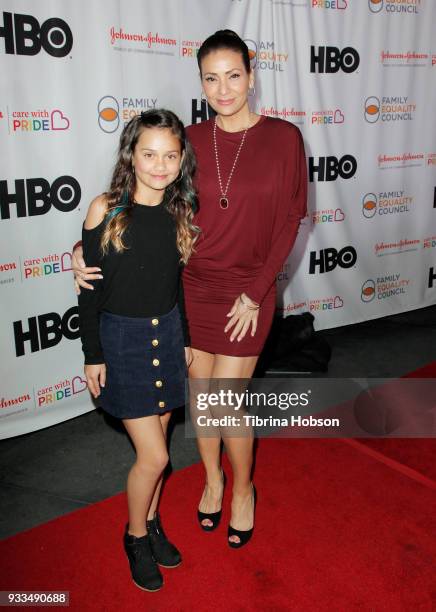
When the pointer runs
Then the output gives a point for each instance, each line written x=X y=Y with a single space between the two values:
x=56 y=470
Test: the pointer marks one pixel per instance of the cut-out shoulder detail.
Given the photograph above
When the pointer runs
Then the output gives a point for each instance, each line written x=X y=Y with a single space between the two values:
x=96 y=212
x=95 y=229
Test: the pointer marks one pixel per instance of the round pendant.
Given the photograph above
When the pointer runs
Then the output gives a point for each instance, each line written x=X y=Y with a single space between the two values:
x=224 y=203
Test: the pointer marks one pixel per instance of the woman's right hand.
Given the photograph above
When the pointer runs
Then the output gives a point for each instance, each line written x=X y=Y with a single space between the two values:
x=81 y=272
x=95 y=377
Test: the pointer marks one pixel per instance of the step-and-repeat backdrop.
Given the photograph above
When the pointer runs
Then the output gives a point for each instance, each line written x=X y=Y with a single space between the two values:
x=356 y=76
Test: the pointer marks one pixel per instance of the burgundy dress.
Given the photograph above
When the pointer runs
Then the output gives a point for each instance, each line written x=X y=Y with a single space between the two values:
x=242 y=248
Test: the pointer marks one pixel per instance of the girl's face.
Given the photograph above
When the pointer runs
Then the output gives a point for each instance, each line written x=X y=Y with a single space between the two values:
x=225 y=81
x=156 y=158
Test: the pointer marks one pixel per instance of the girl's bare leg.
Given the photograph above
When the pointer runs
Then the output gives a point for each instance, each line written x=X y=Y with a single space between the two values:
x=164 y=420
x=149 y=441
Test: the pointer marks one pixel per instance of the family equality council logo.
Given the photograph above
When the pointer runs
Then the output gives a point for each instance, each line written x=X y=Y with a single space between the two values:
x=110 y=115
x=410 y=7
x=390 y=108
x=264 y=55
x=384 y=287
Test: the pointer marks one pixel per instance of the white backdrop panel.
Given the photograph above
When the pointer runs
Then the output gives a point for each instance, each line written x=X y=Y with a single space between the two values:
x=357 y=77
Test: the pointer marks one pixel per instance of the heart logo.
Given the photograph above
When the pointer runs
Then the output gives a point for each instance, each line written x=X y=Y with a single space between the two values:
x=79 y=385
x=339 y=117
x=59 y=121
x=339 y=214
x=338 y=303
x=341 y=4
x=66 y=261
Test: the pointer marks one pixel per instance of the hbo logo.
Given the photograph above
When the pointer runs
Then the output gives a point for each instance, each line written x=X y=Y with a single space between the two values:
x=46 y=330
x=330 y=258
x=201 y=112
x=24 y=36
x=329 y=168
x=35 y=196
x=332 y=59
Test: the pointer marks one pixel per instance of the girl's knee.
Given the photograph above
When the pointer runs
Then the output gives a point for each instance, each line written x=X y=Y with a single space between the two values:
x=162 y=461
x=154 y=464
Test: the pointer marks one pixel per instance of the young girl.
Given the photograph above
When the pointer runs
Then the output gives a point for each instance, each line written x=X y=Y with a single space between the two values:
x=133 y=323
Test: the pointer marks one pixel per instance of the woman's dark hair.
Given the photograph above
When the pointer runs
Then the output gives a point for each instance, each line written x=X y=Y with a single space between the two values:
x=180 y=196
x=224 y=39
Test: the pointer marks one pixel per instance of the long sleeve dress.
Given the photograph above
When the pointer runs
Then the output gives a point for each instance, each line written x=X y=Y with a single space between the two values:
x=242 y=248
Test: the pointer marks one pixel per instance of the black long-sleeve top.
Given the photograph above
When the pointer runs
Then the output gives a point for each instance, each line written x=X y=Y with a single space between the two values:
x=142 y=281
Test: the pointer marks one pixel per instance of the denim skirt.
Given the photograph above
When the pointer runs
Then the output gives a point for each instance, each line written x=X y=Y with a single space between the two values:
x=145 y=364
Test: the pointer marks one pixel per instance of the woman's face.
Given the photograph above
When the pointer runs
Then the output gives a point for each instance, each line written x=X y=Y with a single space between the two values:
x=225 y=81
x=157 y=158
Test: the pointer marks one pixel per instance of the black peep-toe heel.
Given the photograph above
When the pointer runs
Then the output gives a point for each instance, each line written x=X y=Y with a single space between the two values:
x=214 y=517
x=244 y=536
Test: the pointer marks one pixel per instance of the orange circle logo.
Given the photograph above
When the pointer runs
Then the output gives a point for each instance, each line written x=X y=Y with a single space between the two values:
x=375 y=6
x=372 y=109
x=252 y=51
x=108 y=114
x=368 y=290
x=369 y=205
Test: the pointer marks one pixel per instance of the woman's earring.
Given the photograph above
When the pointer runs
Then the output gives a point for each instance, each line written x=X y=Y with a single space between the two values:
x=252 y=91
x=203 y=97
x=133 y=169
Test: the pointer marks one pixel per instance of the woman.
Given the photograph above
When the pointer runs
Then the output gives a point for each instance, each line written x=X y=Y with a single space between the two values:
x=252 y=187
x=133 y=325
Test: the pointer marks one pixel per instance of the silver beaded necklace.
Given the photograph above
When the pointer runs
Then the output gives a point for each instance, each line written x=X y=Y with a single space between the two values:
x=224 y=201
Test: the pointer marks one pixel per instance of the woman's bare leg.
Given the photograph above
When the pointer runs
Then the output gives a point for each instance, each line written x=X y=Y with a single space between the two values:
x=239 y=450
x=151 y=458
x=209 y=448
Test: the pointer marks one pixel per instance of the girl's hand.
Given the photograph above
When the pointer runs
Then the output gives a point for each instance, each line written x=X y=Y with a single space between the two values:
x=188 y=356
x=81 y=272
x=95 y=377
x=243 y=314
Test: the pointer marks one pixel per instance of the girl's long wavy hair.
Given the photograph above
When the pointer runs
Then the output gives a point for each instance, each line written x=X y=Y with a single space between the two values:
x=180 y=197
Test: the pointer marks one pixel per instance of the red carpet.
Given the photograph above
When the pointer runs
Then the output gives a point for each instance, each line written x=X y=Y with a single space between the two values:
x=417 y=454
x=336 y=529
x=428 y=371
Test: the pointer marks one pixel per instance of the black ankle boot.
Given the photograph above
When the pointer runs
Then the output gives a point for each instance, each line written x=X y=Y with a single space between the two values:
x=145 y=573
x=165 y=553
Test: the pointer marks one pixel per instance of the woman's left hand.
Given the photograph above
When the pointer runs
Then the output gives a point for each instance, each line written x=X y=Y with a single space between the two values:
x=188 y=356
x=244 y=313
